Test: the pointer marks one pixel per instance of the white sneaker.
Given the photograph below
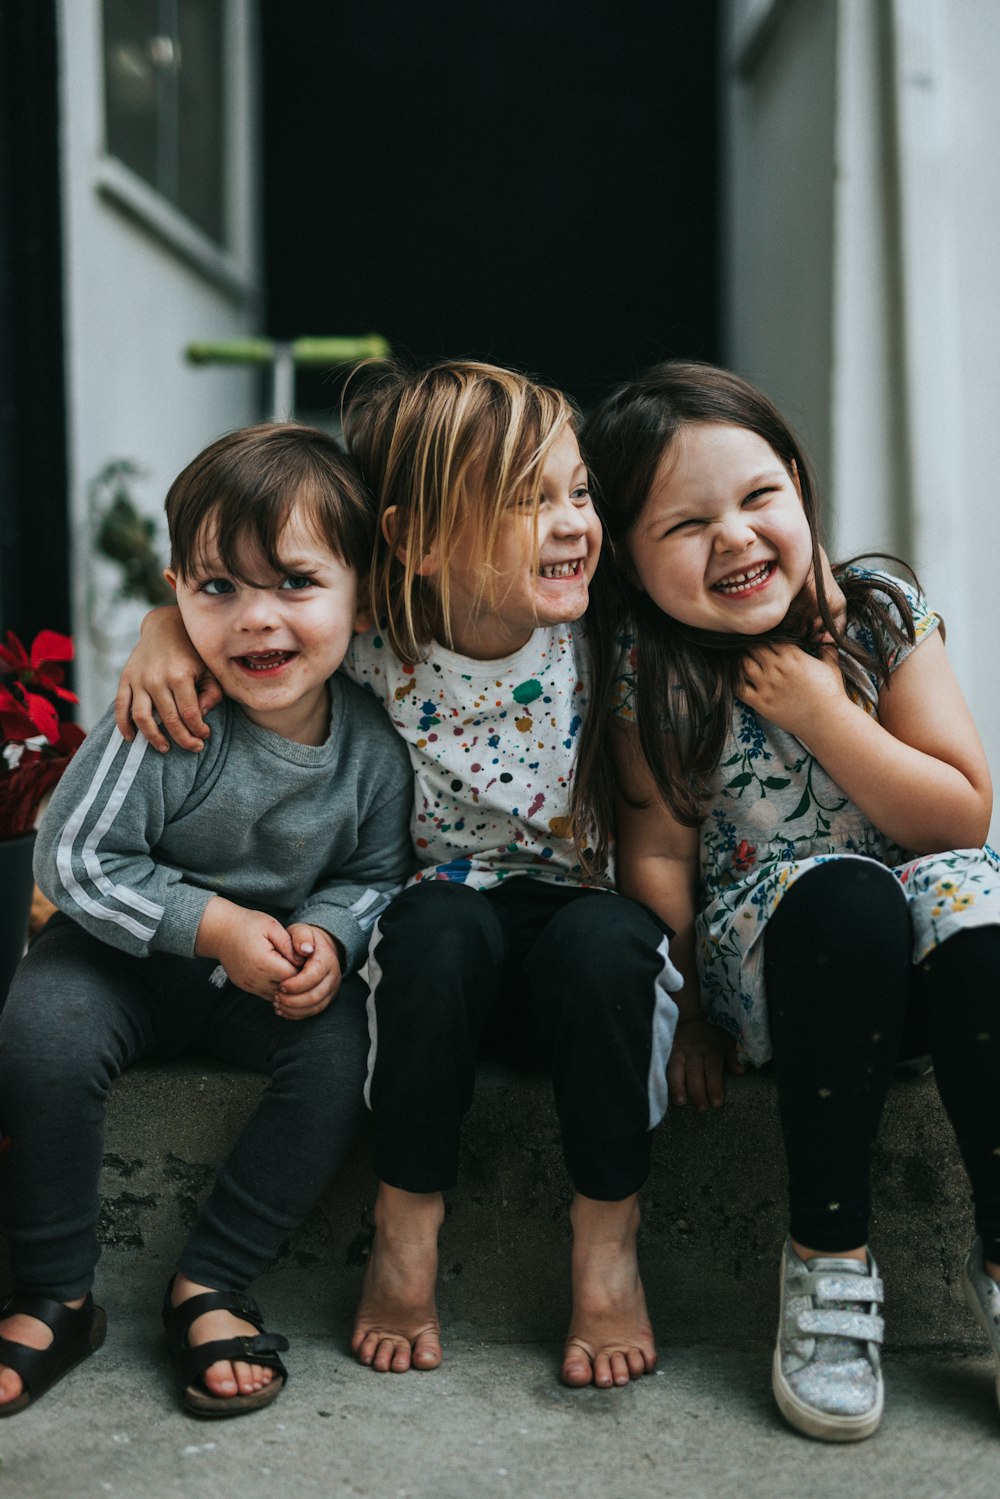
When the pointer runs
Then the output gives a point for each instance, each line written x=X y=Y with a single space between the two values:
x=826 y=1374
x=982 y=1297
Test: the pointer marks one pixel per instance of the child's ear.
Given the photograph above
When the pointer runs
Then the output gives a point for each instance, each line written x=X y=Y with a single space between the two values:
x=171 y=577
x=793 y=471
x=427 y=565
x=363 y=616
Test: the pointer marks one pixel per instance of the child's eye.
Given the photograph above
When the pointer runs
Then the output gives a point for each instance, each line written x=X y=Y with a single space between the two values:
x=684 y=525
x=757 y=495
x=296 y=582
x=216 y=586
x=581 y=494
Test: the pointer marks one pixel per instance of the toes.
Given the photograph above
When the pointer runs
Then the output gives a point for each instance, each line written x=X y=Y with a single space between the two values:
x=426 y=1352
x=220 y=1380
x=394 y=1353
x=227 y=1379
x=577 y=1369
x=391 y=1355
x=605 y=1369
x=10 y=1386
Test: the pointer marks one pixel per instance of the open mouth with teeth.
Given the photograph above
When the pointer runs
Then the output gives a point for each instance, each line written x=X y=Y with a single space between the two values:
x=744 y=582
x=261 y=662
x=562 y=569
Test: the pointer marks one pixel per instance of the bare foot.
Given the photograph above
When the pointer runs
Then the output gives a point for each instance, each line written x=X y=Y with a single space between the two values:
x=223 y=1378
x=33 y=1334
x=396 y=1326
x=610 y=1340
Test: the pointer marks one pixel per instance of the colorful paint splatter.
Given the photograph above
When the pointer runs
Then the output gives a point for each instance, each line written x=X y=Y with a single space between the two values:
x=493 y=745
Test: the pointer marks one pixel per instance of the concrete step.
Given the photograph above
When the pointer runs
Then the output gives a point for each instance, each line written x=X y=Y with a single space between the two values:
x=713 y=1212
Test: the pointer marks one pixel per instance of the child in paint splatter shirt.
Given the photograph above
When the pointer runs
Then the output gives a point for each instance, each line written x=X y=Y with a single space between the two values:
x=489 y=541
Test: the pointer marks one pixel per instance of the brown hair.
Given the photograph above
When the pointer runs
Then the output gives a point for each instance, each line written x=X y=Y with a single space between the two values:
x=446 y=450
x=688 y=680
x=247 y=484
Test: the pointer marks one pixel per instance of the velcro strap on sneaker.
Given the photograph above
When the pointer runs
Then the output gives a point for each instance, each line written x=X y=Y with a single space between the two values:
x=847 y=1288
x=838 y=1322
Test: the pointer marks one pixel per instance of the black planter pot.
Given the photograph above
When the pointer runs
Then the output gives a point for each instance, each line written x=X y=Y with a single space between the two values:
x=16 y=887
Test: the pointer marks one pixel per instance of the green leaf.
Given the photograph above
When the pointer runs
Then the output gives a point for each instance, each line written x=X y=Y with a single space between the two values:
x=775 y=783
x=801 y=809
x=741 y=780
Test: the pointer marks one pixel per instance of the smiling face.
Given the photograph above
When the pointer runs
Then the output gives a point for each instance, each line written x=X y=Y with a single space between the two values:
x=542 y=563
x=274 y=639
x=722 y=542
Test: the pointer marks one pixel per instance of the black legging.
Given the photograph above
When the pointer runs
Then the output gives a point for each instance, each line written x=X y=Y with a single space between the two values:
x=842 y=995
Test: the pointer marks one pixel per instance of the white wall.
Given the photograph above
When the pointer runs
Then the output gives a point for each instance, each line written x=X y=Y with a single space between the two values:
x=863 y=241
x=973 y=502
x=778 y=215
x=133 y=301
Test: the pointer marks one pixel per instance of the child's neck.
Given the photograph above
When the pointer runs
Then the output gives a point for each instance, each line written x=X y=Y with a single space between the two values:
x=485 y=640
x=306 y=721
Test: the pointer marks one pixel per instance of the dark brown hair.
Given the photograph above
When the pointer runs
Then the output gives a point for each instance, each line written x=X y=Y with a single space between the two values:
x=247 y=483
x=687 y=680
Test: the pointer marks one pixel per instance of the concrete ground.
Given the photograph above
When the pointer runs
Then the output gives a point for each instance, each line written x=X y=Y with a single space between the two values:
x=493 y=1423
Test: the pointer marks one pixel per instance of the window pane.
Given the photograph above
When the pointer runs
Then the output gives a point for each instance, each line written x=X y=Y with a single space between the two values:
x=130 y=84
x=200 y=115
x=164 y=101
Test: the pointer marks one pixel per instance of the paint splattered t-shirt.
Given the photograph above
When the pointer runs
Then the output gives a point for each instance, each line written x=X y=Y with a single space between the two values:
x=493 y=747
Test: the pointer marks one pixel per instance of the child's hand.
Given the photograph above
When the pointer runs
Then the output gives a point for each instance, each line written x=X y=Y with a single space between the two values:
x=702 y=1054
x=791 y=688
x=165 y=676
x=255 y=950
x=311 y=989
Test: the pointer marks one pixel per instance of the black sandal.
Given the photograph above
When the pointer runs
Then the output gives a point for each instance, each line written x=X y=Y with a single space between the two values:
x=76 y=1333
x=191 y=1363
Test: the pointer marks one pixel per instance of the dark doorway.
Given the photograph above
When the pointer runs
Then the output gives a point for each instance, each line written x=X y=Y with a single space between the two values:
x=530 y=183
x=34 y=528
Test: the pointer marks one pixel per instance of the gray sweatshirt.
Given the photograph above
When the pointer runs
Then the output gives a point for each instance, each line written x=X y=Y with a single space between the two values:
x=135 y=843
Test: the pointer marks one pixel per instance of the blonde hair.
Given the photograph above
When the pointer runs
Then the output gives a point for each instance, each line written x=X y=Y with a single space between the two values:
x=447 y=450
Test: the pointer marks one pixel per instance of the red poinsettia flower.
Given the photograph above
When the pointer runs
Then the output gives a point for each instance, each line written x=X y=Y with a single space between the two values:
x=40 y=745
x=42 y=668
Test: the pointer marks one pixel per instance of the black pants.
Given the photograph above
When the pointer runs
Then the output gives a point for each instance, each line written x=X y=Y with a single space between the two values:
x=844 y=1002
x=78 y=1013
x=545 y=975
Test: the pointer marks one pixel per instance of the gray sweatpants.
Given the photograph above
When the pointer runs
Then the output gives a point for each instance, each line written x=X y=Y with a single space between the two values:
x=80 y=1012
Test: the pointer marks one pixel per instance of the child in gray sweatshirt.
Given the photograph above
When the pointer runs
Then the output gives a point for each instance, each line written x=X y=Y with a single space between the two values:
x=219 y=901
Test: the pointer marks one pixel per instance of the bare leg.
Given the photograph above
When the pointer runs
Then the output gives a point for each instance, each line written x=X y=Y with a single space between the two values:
x=610 y=1340
x=33 y=1334
x=223 y=1378
x=837 y=1254
x=396 y=1326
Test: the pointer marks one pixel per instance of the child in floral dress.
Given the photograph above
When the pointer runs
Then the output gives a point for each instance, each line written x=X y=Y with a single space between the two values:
x=802 y=795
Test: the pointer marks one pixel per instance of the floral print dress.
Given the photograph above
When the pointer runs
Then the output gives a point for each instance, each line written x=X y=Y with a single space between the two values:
x=774 y=813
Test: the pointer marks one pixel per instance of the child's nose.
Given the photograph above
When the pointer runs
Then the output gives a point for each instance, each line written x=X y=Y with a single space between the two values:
x=734 y=534
x=567 y=519
x=258 y=611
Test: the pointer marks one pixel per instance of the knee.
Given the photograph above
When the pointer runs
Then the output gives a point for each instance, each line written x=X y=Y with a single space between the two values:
x=851 y=906
x=602 y=942
x=437 y=927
